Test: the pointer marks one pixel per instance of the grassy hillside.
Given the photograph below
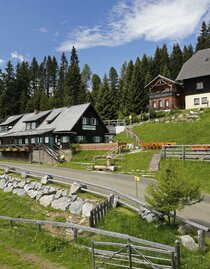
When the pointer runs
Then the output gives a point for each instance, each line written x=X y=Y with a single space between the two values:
x=196 y=132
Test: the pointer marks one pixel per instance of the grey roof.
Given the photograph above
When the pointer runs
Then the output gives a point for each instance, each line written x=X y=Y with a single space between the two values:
x=28 y=132
x=10 y=120
x=69 y=117
x=38 y=116
x=197 y=66
x=160 y=76
x=59 y=120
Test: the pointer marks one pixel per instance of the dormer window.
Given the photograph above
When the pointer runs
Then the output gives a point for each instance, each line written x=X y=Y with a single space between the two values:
x=30 y=125
x=199 y=85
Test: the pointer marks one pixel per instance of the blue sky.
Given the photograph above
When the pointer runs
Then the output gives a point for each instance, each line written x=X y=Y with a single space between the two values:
x=105 y=32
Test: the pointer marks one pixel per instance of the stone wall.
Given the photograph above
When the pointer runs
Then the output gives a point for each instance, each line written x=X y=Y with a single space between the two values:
x=40 y=156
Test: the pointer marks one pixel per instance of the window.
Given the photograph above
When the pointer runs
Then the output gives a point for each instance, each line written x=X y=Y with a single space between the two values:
x=30 y=125
x=196 y=101
x=33 y=140
x=20 y=141
x=204 y=100
x=154 y=105
x=97 y=139
x=64 y=139
x=166 y=103
x=93 y=121
x=85 y=120
x=81 y=138
x=26 y=140
x=199 y=85
x=46 y=139
x=41 y=140
x=160 y=103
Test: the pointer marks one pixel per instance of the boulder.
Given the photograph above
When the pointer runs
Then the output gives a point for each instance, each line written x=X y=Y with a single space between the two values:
x=24 y=175
x=148 y=215
x=45 y=179
x=38 y=186
x=61 y=203
x=86 y=209
x=58 y=194
x=21 y=184
x=64 y=193
x=3 y=183
x=76 y=206
x=46 y=200
x=188 y=242
x=185 y=229
x=29 y=186
x=46 y=189
x=39 y=194
x=2 y=176
x=19 y=192
x=8 y=189
x=115 y=201
x=76 y=187
x=32 y=193
x=52 y=190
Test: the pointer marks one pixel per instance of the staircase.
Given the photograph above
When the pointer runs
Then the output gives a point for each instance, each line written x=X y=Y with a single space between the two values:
x=51 y=153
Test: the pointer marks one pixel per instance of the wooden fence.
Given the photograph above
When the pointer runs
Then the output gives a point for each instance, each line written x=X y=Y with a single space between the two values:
x=186 y=152
x=133 y=256
x=132 y=136
x=100 y=211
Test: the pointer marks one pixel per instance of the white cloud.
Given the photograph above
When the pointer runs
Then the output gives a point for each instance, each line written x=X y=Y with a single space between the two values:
x=131 y=20
x=2 y=61
x=16 y=56
x=43 y=30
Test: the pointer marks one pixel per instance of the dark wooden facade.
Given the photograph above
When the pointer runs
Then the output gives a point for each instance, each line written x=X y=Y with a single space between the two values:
x=165 y=94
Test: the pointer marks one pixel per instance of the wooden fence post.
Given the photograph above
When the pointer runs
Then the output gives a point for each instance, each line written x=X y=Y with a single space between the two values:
x=93 y=255
x=129 y=254
x=173 y=262
x=183 y=153
x=164 y=153
x=177 y=254
x=91 y=219
x=201 y=239
x=75 y=232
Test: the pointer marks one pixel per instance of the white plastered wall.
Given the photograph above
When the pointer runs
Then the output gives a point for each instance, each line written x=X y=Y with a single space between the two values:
x=189 y=100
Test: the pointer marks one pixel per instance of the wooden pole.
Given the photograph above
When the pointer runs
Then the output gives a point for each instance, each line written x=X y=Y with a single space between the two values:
x=75 y=232
x=183 y=153
x=201 y=239
x=173 y=265
x=129 y=254
x=177 y=254
x=93 y=256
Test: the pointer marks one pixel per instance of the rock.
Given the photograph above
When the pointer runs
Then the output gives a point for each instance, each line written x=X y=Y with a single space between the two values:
x=148 y=215
x=185 y=229
x=64 y=193
x=115 y=201
x=6 y=170
x=74 y=197
x=21 y=184
x=32 y=193
x=3 y=183
x=52 y=190
x=8 y=189
x=19 y=192
x=188 y=242
x=46 y=200
x=87 y=207
x=76 y=187
x=82 y=221
x=24 y=175
x=45 y=179
x=58 y=194
x=29 y=186
x=76 y=206
x=39 y=194
x=61 y=203
x=38 y=186
x=2 y=176
x=15 y=184
x=46 y=190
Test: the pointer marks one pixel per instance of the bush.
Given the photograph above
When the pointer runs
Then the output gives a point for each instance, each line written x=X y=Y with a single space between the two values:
x=54 y=244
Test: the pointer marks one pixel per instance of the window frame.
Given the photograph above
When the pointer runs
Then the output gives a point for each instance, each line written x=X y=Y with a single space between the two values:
x=196 y=103
x=204 y=102
x=199 y=85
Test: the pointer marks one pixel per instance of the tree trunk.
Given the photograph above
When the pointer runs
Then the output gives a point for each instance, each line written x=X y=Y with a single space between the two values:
x=169 y=219
x=174 y=218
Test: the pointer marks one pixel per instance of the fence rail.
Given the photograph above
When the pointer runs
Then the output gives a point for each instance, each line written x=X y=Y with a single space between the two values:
x=133 y=136
x=100 y=211
x=186 y=152
x=132 y=256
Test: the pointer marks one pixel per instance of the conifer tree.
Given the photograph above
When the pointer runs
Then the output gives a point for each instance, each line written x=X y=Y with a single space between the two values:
x=202 y=38
x=96 y=83
x=126 y=87
x=102 y=105
x=187 y=52
x=34 y=72
x=113 y=86
x=176 y=61
x=73 y=90
x=121 y=109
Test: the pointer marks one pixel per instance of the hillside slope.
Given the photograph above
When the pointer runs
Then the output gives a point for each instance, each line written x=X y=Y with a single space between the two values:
x=196 y=132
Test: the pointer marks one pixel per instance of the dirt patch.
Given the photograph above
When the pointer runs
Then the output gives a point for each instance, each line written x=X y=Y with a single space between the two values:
x=44 y=264
x=4 y=266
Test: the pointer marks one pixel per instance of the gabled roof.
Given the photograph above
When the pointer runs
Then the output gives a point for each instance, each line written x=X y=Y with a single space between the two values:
x=38 y=116
x=160 y=77
x=11 y=120
x=197 y=66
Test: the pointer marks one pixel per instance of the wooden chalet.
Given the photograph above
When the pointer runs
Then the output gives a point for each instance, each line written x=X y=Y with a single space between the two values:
x=164 y=94
x=54 y=129
x=195 y=77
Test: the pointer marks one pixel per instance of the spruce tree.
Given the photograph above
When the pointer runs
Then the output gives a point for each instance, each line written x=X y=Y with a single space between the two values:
x=96 y=83
x=176 y=61
x=121 y=109
x=202 y=38
x=34 y=73
x=113 y=86
x=73 y=90
x=126 y=88
x=187 y=52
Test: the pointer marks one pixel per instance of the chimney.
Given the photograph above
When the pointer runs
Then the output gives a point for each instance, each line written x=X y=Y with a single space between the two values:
x=36 y=111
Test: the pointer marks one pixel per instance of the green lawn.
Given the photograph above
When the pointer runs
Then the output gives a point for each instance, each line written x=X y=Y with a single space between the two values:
x=196 y=132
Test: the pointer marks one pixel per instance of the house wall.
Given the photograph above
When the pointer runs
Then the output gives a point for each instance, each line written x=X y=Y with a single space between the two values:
x=17 y=155
x=100 y=128
x=189 y=100
x=40 y=156
x=95 y=146
x=190 y=85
